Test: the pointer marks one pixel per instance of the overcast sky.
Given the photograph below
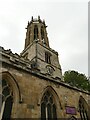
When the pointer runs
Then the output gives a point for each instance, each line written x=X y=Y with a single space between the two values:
x=67 y=28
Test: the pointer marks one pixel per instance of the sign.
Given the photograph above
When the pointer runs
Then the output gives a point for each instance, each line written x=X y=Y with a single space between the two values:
x=70 y=110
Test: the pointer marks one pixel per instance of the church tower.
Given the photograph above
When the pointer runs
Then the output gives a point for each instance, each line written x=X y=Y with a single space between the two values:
x=42 y=58
x=31 y=85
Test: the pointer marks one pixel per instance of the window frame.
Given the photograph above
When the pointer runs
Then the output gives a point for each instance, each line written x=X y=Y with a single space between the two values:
x=82 y=110
x=49 y=107
x=35 y=32
x=5 y=98
x=48 y=57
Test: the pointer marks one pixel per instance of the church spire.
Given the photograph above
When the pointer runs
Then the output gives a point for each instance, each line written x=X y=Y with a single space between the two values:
x=36 y=31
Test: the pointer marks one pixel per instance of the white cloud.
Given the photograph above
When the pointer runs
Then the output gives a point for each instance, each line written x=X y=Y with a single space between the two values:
x=67 y=28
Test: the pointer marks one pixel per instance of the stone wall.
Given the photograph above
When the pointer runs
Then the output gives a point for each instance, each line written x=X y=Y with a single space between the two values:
x=32 y=88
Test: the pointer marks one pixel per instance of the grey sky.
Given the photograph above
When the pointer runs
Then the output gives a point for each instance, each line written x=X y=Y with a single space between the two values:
x=67 y=28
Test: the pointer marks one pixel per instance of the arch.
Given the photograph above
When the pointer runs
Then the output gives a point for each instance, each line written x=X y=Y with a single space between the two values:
x=56 y=104
x=10 y=95
x=43 y=36
x=42 y=32
x=35 y=32
x=83 y=109
x=13 y=84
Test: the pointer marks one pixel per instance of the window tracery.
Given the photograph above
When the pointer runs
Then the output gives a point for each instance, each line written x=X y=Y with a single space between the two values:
x=48 y=107
x=82 y=109
x=6 y=96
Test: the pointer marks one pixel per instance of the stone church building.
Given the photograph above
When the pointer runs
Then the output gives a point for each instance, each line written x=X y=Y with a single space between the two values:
x=31 y=84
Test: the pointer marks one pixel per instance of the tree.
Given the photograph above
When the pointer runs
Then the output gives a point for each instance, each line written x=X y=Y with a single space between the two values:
x=77 y=79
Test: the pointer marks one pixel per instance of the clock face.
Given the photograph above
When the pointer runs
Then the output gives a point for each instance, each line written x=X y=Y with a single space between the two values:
x=50 y=70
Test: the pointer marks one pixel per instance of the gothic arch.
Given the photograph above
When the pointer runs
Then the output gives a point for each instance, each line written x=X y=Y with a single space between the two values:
x=55 y=99
x=83 y=109
x=42 y=32
x=13 y=84
x=35 y=32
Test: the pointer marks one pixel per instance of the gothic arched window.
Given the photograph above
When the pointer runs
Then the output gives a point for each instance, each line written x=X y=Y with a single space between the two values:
x=82 y=109
x=29 y=32
x=7 y=100
x=48 y=107
x=42 y=35
x=35 y=32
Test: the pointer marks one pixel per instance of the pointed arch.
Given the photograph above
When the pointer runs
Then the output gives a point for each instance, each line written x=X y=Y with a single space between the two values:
x=83 y=109
x=9 y=94
x=42 y=32
x=13 y=84
x=35 y=32
x=50 y=103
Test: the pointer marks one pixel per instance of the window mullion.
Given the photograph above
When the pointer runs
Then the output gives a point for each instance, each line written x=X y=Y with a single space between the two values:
x=2 y=110
x=46 y=113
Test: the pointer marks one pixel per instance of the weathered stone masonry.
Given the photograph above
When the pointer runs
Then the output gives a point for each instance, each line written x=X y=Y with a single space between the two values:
x=29 y=77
